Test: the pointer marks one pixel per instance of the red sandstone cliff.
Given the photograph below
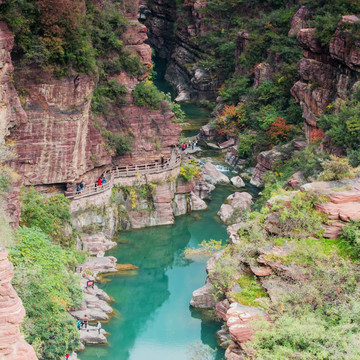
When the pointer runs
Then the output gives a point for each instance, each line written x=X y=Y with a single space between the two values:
x=327 y=74
x=12 y=312
x=54 y=132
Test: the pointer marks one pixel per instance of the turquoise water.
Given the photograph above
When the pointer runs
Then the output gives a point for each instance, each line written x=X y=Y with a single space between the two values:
x=195 y=115
x=152 y=318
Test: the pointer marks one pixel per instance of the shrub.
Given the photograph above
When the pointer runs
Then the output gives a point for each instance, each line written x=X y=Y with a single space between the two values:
x=147 y=94
x=106 y=94
x=50 y=214
x=190 y=169
x=246 y=144
x=335 y=168
x=45 y=282
x=350 y=238
x=119 y=142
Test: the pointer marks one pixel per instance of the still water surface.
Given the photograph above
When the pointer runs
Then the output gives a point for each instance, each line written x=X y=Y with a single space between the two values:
x=153 y=319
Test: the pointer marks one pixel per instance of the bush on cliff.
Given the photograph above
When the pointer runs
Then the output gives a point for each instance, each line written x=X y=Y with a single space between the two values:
x=50 y=214
x=46 y=284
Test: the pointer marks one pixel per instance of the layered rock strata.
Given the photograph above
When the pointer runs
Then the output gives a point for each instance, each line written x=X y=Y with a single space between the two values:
x=12 y=313
x=327 y=74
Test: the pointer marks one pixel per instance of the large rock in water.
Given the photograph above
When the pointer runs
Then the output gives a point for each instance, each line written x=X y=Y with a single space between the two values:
x=231 y=213
x=12 y=344
x=213 y=175
x=203 y=298
x=196 y=203
x=237 y=181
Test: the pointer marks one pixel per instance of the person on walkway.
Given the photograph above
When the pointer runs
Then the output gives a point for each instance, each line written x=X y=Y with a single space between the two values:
x=103 y=181
x=67 y=356
x=78 y=324
x=162 y=160
x=98 y=327
x=183 y=147
x=77 y=189
x=82 y=186
x=192 y=145
x=99 y=182
x=86 y=321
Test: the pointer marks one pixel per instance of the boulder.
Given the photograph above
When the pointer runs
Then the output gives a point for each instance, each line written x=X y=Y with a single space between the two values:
x=237 y=181
x=232 y=231
x=196 y=203
x=238 y=320
x=91 y=336
x=203 y=298
x=296 y=180
x=93 y=243
x=96 y=265
x=203 y=189
x=265 y=162
x=232 y=213
x=213 y=175
x=180 y=205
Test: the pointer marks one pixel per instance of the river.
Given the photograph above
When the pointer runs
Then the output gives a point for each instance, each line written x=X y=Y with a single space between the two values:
x=152 y=317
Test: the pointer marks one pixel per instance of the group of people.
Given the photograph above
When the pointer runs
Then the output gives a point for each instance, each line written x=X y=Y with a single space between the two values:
x=80 y=187
x=84 y=323
x=101 y=181
x=188 y=144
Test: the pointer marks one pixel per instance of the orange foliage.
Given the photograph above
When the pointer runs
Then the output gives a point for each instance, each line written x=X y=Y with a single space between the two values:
x=61 y=17
x=316 y=135
x=188 y=2
x=279 y=130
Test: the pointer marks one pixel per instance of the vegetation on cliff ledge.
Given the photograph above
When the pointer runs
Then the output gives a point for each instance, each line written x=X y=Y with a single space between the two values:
x=44 y=258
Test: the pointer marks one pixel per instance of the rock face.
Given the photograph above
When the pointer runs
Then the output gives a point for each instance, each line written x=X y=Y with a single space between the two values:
x=262 y=72
x=299 y=20
x=343 y=204
x=265 y=162
x=11 y=112
x=238 y=320
x=212 y=175
x=326 y=75
x=53 y=127
x=12 y=312
x=231 y=212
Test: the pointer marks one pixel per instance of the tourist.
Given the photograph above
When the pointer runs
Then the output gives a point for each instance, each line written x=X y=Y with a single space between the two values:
x=77 y=189
x=85 y=321
x=192 y=145
x=189 y=143
x=67 y=356
x=82 y=186
x=183 y=147
x=98 y=327
x=162 y=160
x=79 y=324
x=103 y=181
x=99 y=182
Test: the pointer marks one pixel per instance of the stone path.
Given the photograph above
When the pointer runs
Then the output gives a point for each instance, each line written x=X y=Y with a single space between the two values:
x=123 y=171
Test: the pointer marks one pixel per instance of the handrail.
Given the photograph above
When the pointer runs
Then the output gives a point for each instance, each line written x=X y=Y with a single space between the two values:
x=123 y=171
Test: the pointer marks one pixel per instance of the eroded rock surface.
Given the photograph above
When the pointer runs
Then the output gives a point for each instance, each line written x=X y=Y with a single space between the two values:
x=12 y=344
x=212 y=175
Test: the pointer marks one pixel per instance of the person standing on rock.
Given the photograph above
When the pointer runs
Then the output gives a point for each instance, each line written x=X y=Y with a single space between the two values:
x=85 y=321
x=98 y=327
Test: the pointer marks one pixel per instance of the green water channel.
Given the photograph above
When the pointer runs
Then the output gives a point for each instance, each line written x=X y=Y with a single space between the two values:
x=152 y=318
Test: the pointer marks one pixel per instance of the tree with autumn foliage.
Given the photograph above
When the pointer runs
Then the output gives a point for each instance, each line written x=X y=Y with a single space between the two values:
x=60 y=20
x=279 y=131
x=231 y=121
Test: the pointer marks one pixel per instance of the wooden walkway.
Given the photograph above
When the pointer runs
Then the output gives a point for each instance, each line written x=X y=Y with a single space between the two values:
x=123 y=172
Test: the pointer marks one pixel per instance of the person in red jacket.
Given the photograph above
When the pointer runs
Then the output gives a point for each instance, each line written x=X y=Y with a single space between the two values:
x=99 y=181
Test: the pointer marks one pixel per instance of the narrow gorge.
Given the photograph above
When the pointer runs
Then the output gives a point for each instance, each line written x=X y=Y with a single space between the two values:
x=179 y=179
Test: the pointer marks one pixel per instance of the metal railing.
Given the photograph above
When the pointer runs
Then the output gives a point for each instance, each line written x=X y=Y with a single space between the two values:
x=123 y=171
